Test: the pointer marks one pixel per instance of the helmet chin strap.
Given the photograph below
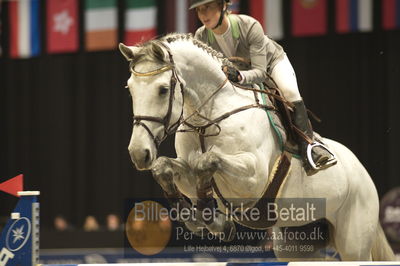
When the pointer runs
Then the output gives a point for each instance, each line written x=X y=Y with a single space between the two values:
x=221 y=17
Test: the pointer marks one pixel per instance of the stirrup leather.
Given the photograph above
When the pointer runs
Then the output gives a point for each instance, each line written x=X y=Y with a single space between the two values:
x=310 y=159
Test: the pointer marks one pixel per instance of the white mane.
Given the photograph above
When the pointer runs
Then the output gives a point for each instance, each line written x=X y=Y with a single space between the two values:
x=193 y=56
x=181 y=45
x=175 y=38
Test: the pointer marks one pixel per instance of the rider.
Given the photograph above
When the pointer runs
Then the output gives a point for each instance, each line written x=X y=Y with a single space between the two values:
x=243 y=36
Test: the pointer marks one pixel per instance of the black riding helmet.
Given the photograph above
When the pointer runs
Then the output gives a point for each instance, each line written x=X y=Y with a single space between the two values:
x=196 y=3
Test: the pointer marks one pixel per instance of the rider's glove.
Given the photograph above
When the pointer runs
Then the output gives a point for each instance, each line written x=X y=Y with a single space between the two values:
x=232 y=73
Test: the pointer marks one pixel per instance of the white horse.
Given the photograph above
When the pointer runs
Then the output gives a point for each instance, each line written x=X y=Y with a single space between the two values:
x=177 y=81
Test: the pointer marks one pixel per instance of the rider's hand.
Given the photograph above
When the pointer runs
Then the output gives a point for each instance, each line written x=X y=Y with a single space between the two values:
x=232 y=73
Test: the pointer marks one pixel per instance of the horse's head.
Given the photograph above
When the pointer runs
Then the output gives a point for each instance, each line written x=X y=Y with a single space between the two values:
x=156 y=98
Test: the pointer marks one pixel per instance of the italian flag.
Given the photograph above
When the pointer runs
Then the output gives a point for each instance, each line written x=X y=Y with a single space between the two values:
x=140 y=21
x=101 y=19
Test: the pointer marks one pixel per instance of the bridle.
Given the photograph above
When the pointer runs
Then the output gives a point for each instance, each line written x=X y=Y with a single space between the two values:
x=171 y=129
x=165 y=121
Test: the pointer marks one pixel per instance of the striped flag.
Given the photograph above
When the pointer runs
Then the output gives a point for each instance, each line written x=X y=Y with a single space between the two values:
x=309 y=17
x=101 y=25
x=353 y=15
x=24 y=28
x=390 y=14
x=180 y=18
x=140 y=21
x=269 y=14
x=62 y=26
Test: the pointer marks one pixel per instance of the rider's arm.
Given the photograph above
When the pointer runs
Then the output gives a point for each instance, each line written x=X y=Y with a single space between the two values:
x=257 y=43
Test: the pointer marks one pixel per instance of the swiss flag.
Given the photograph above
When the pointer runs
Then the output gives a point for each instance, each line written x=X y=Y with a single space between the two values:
x=309 y=17
x=62 y=26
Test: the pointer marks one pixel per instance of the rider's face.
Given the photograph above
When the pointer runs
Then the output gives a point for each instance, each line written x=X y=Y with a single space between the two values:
x=209 y=14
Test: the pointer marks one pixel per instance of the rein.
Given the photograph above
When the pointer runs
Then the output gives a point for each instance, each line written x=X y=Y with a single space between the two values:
x=201 y=130
x=214 y=122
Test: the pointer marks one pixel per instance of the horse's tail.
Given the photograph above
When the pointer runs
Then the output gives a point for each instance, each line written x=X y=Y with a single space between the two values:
x=381 y=250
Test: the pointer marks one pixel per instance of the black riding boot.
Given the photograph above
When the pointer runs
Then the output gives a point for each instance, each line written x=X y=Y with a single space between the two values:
x=315 y=155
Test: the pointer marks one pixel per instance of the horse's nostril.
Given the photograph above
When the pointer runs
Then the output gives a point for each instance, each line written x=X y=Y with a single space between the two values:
x=147 y=157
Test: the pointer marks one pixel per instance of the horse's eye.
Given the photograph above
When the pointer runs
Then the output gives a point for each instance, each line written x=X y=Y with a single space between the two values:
x=163 y=91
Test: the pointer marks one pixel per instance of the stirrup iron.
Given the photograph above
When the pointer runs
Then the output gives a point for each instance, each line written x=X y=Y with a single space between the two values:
x=311 y=160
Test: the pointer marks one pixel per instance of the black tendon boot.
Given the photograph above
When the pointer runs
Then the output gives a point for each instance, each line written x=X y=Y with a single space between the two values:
x=315 y=155
x=215 y=221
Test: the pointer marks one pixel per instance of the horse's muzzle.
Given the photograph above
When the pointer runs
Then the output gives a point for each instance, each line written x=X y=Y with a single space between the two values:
x=141 y=157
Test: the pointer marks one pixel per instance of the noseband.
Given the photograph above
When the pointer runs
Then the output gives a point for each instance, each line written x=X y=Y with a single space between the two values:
x=168 y=129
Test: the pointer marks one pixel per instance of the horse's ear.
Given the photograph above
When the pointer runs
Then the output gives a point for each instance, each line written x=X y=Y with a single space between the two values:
x=126 y=51
x=158 y=51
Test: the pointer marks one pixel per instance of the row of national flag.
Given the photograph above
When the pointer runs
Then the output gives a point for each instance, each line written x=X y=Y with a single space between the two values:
x=309 y=17
x=100 y=25
x=62 y=25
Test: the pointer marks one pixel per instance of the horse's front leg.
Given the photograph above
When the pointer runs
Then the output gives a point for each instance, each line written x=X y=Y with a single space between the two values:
x=205 y=166
x=240 y=167
x=164 y=170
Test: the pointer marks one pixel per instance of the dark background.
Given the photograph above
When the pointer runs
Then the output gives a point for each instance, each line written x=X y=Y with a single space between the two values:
x=65 y=120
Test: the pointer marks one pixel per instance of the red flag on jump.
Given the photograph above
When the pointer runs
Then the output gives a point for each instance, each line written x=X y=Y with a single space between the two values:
x=13 y=185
